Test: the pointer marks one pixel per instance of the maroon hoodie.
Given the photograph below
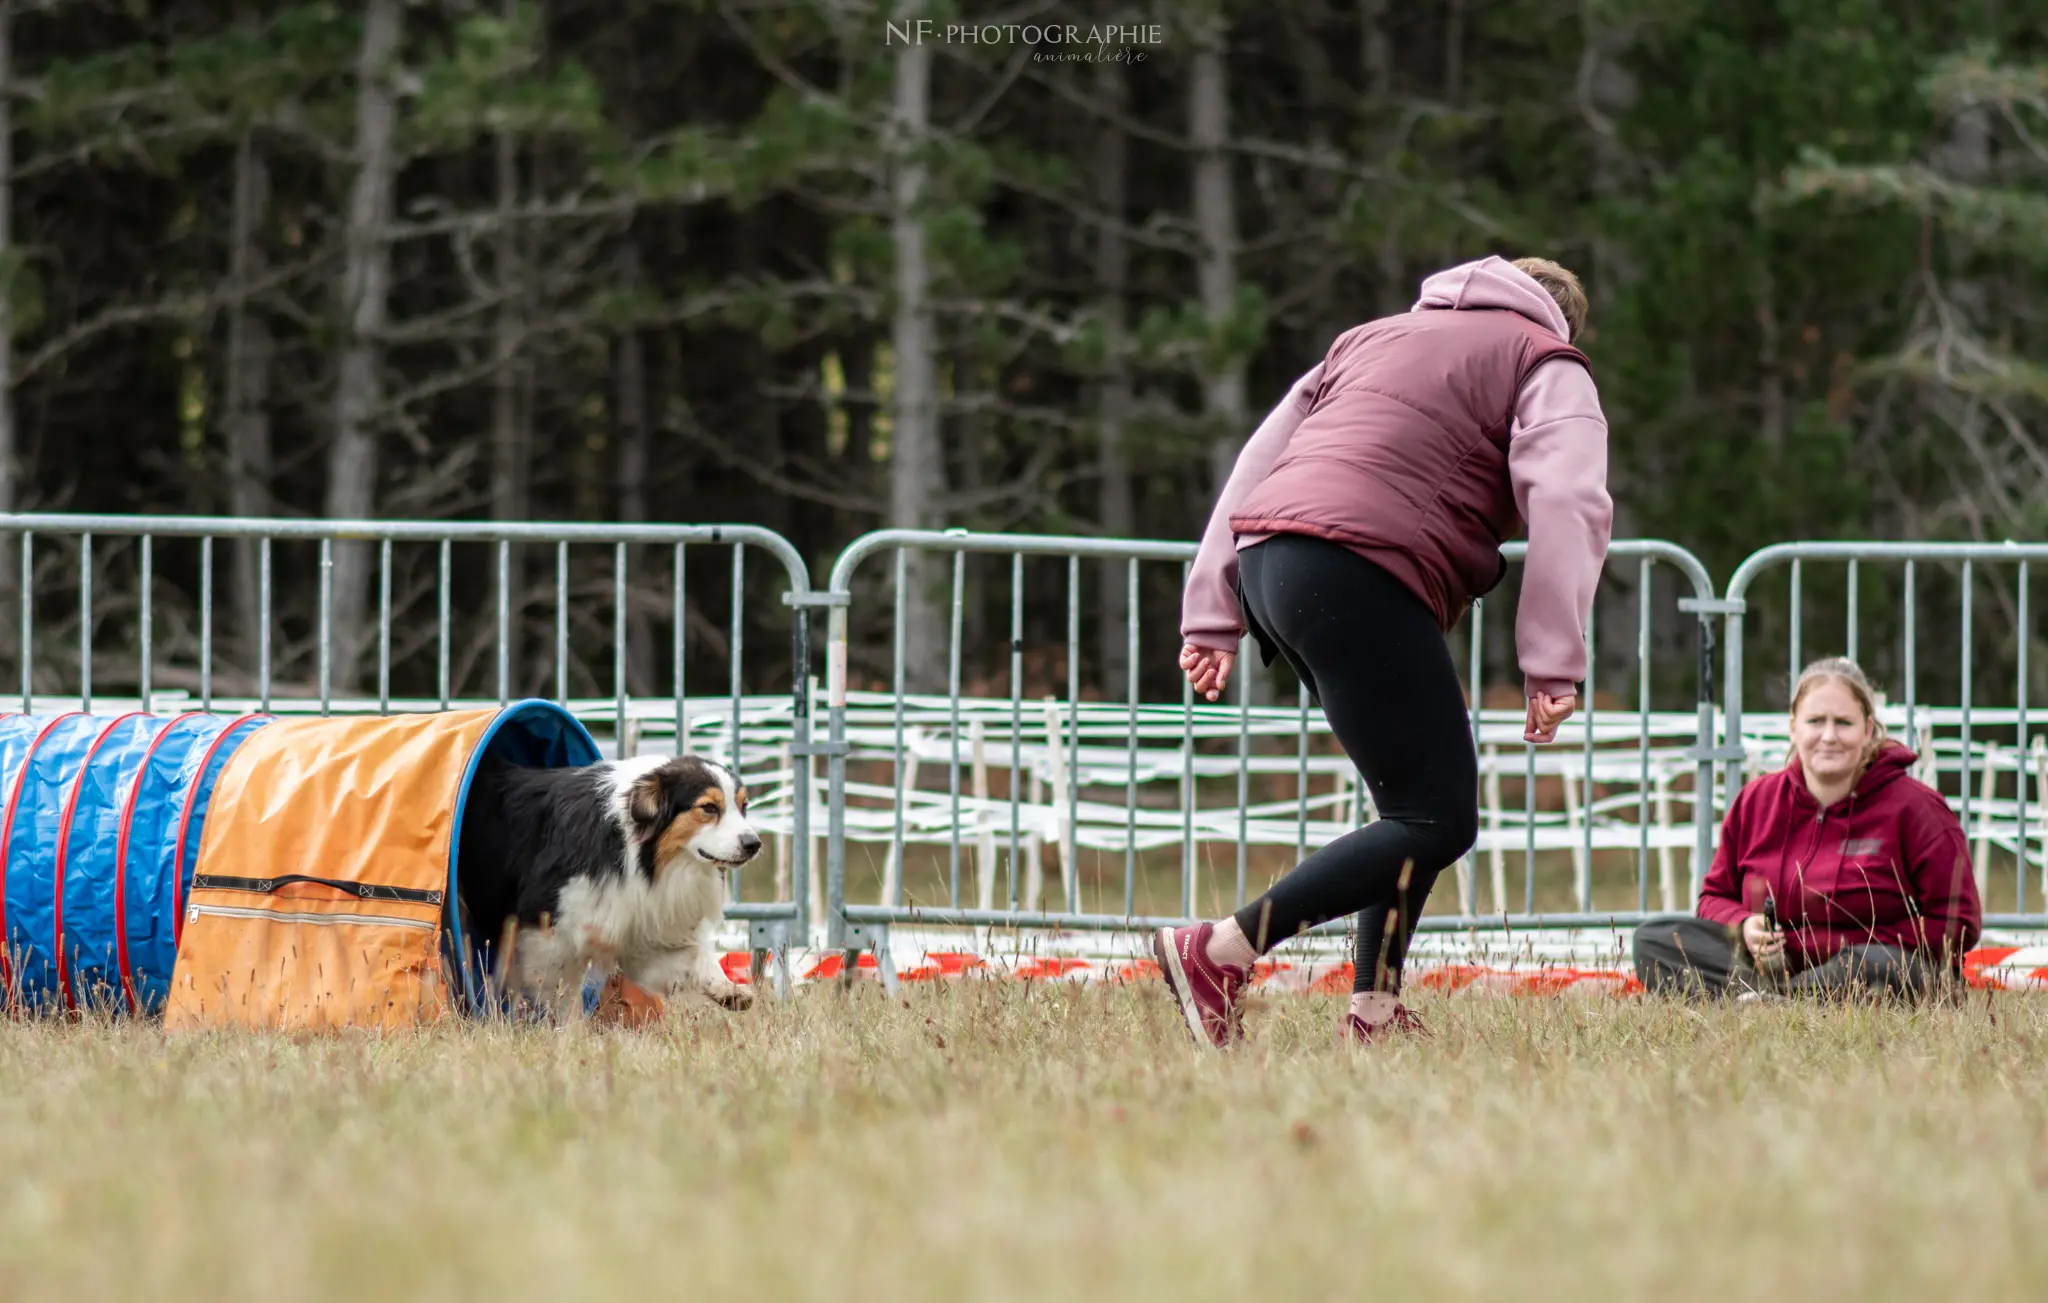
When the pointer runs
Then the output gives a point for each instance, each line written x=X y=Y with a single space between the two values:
x=1555 y=477
x=1887 y=864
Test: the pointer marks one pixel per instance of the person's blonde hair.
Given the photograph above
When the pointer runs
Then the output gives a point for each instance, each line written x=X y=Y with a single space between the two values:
x=1562 y=286
x=1843 y=672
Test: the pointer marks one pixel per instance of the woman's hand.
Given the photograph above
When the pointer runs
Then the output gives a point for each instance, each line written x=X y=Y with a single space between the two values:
x=1766 y=944
x=1206 y=669
x=1546 y=715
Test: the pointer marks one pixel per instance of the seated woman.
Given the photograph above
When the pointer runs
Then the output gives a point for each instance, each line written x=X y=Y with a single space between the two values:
x=1839 y=873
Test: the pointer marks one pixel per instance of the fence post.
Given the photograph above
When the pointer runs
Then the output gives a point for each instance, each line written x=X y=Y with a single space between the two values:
x=1706 y=754
x=800 y=763
x=835 y=771
x=1705 y=805
x=801 y=749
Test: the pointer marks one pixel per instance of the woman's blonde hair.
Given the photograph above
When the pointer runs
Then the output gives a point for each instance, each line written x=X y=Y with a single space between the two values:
x=1842 y=671
x=1563 y=287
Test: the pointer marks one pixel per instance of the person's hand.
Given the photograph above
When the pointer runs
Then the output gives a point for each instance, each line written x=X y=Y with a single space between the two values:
x=1206 y=669
x=1546 y=714
x=1766 y=944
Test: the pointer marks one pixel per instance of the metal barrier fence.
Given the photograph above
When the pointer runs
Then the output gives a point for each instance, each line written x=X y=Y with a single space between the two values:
x=1057 y=810
x=1967 y=751
x=436 y=565
x=1045 y=749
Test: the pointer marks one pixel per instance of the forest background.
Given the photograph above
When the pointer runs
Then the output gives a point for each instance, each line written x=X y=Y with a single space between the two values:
x=812 y=266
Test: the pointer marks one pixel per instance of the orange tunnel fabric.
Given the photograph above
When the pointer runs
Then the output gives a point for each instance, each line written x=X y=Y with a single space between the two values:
x=319 y=897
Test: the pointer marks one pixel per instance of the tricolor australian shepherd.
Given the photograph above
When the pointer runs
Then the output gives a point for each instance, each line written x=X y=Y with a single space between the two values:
x=619 y=866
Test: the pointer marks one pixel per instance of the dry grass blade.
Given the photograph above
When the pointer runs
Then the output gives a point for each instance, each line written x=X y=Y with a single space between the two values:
x=1008 y=1142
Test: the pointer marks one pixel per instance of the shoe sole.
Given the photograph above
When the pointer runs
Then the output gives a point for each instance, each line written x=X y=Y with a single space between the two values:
x=1177 y=985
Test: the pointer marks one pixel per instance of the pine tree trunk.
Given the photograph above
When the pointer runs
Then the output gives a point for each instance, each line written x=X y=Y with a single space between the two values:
x=629 y=403
x=857 y=360
x=916 y=475
x=1376 y=61
x=248 y=388
x=1454 y=50
x=1115 y=507
x=1608 y=89
x=1770 y=357
x=963 y=425
x=1223 y=383
x=962 y=437
x=511 y=432
x=1331 y=312
x=1965 y=156
x=1223 y=396
x=366 y=278
x=857 y=461
x=10 y=494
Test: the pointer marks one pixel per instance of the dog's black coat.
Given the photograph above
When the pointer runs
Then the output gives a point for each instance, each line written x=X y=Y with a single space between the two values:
x=526 y=833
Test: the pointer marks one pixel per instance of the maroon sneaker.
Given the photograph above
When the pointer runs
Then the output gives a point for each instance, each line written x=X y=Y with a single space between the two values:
x=1206 y=992
x=1354 y=1030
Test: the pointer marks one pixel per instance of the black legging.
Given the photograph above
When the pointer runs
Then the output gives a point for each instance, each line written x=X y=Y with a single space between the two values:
x=1373 y=656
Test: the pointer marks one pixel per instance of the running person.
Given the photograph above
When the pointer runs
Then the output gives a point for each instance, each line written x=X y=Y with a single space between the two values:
x=1361 y=519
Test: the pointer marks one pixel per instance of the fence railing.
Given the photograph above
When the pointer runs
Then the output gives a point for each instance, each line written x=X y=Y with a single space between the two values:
x=141 y=595
x=970 y=781
x=1967 y=751
x=1162 y=761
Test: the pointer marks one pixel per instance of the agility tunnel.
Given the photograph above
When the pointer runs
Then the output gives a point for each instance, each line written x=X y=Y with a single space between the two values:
x=252 y=871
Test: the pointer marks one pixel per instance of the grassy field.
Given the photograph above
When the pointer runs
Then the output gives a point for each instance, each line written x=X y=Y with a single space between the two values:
x=995 y=1142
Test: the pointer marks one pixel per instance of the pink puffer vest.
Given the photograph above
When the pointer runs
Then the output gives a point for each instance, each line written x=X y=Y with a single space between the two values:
x=1403 y=456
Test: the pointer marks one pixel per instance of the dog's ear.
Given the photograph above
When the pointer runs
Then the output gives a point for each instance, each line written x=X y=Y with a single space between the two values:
x=645 y=805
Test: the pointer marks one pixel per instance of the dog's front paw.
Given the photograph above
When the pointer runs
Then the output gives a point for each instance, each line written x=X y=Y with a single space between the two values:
x=733 y=995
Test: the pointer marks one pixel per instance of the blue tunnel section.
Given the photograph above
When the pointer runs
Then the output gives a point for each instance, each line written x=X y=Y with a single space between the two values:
x=99 y=832
x=100 y=826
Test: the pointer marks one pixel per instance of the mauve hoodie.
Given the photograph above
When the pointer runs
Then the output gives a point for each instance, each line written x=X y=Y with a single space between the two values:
x=1557 y=461
x=1887 y=864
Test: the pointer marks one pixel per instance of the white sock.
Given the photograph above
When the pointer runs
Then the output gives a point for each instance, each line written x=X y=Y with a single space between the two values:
x=1228 y=945
x=1373 y=1007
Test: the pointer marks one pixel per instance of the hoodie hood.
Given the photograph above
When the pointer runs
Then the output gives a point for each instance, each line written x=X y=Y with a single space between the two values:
x=1892 y=760
x=1493 y=282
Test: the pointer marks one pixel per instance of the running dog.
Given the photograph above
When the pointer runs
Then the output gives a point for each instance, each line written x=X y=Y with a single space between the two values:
x=619 y=866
